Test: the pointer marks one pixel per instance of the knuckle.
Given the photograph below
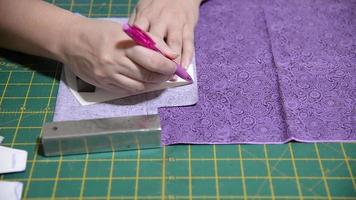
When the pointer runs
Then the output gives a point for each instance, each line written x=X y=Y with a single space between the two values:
x=176 y=14
x=106 y=60
x=154 y=22
x=99 y=74
x=188 y=39
x=149 y=77
x=172 y=17
x=162 y=63
x=140 y=6
x=141 y=17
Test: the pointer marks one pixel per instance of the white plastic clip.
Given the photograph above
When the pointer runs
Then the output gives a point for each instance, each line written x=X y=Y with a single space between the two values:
x=10 y=190
x=12 y=160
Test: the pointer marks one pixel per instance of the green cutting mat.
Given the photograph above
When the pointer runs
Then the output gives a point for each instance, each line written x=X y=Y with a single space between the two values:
x=28 y=89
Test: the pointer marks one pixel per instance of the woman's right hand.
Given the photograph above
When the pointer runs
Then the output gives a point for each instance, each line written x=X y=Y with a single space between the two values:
x=100 y=53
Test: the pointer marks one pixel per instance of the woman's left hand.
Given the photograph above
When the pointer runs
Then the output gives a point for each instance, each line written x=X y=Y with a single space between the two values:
x=174 y=21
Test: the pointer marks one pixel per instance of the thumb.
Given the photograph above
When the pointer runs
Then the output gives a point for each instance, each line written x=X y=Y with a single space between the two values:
x=164 y=48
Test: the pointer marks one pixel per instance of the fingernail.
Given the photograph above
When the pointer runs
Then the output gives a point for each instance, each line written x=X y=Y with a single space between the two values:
x=174 y=55
x=171 y=57
x=185 y=65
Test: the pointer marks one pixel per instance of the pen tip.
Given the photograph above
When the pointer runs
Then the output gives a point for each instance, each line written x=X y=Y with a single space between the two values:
x=181 y=72
x=190 y=78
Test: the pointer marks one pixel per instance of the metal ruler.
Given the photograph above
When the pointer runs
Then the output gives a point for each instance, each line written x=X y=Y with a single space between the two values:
x=101 y=135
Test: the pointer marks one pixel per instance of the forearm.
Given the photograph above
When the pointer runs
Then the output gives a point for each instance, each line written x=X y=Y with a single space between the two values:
x=35 y=27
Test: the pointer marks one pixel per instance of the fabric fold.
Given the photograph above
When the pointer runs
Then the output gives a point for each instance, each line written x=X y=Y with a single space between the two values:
x=314 y=48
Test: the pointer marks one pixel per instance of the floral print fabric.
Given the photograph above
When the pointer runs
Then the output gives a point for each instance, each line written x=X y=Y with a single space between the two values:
x=269 y=72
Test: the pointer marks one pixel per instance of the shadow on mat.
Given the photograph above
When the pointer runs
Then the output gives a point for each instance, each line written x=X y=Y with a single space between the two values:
x=44 y=66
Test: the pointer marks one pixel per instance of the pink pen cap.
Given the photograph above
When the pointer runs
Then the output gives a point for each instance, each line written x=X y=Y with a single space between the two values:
x=141 y=38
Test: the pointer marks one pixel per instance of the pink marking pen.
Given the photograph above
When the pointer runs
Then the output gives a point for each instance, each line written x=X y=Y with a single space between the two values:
x=141 y=38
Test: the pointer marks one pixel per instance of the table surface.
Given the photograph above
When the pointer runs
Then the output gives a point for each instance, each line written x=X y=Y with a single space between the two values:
x=28 y=89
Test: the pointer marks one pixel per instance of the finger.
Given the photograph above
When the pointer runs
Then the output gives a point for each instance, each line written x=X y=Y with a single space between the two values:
x=106 y=85
x=163 y=47
x=137 y=72
x=142 y=22
x=174 y=39
x=113 y=88
x=188 y=46
x=158 y=29
x=132 y=17
x=127 y=83
x=151 y=60
x=174 y=78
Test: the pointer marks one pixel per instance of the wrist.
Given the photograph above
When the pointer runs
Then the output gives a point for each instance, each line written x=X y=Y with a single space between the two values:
x=68 y=38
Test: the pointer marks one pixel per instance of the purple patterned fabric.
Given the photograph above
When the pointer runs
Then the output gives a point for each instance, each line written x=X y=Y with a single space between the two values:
x=271 y=72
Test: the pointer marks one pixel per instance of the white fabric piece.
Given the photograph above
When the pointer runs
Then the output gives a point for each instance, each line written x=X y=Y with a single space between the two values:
x=10 y=190
x=1 y=139
x=101 y=95
x=12 y=160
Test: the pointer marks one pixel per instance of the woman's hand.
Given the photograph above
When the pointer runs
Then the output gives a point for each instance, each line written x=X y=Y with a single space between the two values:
x=100 y=53
x=172 y=21
x=97 y=51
